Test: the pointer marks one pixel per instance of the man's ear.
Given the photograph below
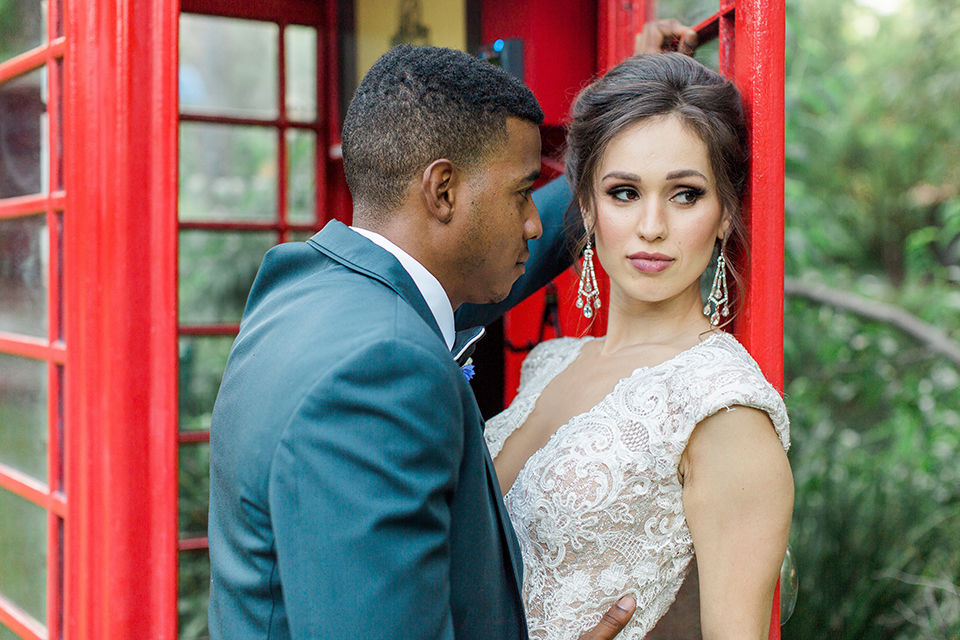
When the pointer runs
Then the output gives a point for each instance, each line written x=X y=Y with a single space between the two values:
x=439 y=189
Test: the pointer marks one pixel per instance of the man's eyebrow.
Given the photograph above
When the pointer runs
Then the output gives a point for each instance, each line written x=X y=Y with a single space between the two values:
x=532 y=176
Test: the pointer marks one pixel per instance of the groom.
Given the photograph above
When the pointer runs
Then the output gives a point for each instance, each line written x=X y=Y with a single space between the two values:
x=352 y=495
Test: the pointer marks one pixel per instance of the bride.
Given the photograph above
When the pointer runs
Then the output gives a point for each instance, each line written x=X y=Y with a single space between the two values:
x=622 y=457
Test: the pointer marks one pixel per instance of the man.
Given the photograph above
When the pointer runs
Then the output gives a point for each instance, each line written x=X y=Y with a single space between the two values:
x=352 y=495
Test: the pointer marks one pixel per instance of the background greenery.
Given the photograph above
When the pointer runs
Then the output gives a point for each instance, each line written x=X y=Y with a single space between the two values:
x=872 y=206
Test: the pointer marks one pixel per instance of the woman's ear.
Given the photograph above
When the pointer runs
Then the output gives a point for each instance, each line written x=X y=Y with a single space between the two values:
x=586 y=214
x=725 y=224
x=439 y=186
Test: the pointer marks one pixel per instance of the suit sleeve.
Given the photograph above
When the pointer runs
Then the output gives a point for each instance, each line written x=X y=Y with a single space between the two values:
x=359 y=495
x=550 y=254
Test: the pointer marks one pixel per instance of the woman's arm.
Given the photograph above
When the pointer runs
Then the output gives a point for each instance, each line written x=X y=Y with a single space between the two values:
x=738 y=500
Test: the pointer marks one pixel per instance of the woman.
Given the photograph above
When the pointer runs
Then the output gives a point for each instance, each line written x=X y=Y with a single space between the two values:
x=623 y=455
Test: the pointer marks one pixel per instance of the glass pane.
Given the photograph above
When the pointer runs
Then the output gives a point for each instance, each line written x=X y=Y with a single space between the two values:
x=23 y=416
x=194 y=594
x=7 y=634
x=301 y=59
x=59 y=133
x=216 y=271
x=23 y=554
x=690 y=12
x=709 y=54
x=202 y=361
x=23 y=134
x=228 y=66
x=194 y=488
x=227 y=172
x=23 y=26
x=300 y=236
x=24 y=275
x=302 y=179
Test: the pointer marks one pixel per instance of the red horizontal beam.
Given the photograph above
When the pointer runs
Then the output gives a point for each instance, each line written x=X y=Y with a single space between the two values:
x=29 y=488
x=193 y=437
x=286 y=11
x=27 y=347
x=30 y=60
x=29 y=205
x=223 y=225
x=193 y=544
x=209 y=330
x=21 y=622
x=252 y=122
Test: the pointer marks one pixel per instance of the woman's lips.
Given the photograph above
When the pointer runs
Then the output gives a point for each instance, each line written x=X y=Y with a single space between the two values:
x=650 y=262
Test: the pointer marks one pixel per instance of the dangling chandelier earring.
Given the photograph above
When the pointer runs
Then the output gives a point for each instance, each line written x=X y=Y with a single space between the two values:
x=718 y=292
x=588 y=295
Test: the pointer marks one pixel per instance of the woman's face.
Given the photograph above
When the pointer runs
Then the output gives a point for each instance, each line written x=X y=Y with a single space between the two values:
x=658 y=213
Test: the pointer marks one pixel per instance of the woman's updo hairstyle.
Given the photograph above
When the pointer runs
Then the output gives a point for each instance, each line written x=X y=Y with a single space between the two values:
x=654 y=85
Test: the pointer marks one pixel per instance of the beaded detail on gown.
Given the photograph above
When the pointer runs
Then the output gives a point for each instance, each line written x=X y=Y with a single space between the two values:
x=598 y=510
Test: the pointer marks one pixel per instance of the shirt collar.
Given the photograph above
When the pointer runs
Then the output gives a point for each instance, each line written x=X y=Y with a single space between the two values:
x=430 y=288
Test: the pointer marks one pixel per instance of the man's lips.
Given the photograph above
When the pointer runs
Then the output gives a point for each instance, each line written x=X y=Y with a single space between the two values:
x=650 y=262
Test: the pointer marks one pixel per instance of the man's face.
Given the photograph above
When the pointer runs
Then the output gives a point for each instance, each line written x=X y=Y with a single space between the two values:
x=501 y=215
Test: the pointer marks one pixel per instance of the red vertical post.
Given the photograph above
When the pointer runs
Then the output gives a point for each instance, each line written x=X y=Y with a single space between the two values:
x=759 y=72
x=120 y=279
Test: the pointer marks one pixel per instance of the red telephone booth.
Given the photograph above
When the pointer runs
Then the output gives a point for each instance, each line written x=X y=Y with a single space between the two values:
x=150 y=152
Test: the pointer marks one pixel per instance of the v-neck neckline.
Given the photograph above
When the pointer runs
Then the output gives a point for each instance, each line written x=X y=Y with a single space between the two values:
x=571 y=358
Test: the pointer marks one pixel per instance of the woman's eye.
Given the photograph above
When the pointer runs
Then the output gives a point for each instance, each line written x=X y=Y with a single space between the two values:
x=623 y=194
x=689 y=196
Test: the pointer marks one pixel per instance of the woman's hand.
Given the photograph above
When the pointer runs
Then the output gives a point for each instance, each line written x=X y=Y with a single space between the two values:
x=658 y=35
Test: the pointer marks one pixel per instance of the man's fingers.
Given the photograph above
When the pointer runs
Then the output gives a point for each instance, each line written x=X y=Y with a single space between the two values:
x=660 y=35
x=613 y=621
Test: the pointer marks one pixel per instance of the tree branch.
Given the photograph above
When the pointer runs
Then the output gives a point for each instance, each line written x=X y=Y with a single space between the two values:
x=930 y=336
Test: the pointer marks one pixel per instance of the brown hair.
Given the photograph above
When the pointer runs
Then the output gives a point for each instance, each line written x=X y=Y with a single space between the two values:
x=650 y=86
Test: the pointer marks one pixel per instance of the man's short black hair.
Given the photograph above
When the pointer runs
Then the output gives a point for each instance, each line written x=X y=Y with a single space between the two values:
x=419 y=104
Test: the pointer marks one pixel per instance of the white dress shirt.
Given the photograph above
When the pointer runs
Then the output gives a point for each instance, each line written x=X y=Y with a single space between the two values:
x=430 y=288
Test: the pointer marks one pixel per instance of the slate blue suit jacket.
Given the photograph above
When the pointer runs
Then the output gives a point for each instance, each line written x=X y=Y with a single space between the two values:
x=352 y=494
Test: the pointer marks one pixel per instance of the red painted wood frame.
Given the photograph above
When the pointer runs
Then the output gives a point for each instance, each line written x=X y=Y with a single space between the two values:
x=330 y=194
x=121 y=299
x=46 y=493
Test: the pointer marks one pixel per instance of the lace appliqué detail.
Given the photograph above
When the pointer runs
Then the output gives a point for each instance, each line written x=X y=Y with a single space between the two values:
x=598 y=510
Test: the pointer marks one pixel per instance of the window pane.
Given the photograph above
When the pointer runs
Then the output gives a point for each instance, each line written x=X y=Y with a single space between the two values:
x=24 y=275
x=227 y=172
x=691 y=12
x=194 y=488
x=7 y=634
x=709 y=54
x=23 y=26
x=301 y=236
x=23 y=416
x=23 y=134
x=202 y=361
x=23 y=554
x=301 y=59
x=216 y=271
x=194 y=594
x=228 y=66
x=302 y=179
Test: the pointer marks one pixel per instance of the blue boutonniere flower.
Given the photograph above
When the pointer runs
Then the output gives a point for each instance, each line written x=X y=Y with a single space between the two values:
x=467 y=369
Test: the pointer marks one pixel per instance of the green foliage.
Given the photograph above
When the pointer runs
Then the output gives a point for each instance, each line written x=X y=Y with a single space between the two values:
x=873 y=157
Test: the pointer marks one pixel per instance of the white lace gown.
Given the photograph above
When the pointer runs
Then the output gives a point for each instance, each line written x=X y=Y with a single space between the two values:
x=598 y=510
